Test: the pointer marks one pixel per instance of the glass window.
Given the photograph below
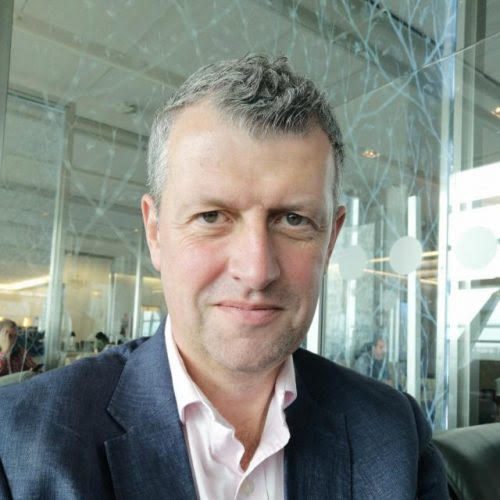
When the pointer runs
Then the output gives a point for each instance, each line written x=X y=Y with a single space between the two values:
x=411 y=293
x=151 y=318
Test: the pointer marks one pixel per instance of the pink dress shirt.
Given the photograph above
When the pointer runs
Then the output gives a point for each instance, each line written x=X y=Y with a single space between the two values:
x=214 y=451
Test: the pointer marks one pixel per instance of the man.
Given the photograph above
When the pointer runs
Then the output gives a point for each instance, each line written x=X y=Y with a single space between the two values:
x=241 y=219
x=372 y=362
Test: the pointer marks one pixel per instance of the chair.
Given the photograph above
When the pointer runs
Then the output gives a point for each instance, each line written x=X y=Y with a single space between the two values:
x=472 y=456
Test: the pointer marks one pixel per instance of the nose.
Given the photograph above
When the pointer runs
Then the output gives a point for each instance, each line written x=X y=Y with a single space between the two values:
x=253 y=260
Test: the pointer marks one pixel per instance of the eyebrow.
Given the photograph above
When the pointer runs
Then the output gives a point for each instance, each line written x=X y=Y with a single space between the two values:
x=294 y=206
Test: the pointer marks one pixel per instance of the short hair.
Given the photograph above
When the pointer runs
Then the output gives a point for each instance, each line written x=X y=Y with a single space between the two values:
x=264 y=96
x=4 y=323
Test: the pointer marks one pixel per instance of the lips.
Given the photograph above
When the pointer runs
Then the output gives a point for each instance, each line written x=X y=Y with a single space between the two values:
x=249 y=306
x=256 y=314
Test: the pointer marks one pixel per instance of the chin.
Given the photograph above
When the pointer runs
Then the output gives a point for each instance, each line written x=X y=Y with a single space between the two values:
x=248 y=358
x=251 y=366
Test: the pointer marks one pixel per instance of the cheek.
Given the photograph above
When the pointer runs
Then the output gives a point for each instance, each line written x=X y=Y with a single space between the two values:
x=191 y=266
x=304 y=268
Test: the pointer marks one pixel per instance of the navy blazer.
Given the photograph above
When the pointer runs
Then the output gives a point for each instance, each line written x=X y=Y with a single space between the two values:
x=108 y=427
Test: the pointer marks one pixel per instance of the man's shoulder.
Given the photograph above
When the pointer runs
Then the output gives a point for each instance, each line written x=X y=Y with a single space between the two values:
x=389 y=438
x=330 y=376
x=65 y=393
x=335 y=386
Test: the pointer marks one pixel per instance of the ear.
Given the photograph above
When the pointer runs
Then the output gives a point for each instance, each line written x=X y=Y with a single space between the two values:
x=336 y=227
x=150 y=219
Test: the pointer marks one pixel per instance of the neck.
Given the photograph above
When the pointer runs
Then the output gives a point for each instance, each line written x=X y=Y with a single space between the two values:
x=242 y=399
x=233 y=393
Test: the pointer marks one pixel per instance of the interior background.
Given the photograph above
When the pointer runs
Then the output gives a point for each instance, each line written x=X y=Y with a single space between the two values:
x=415 y=87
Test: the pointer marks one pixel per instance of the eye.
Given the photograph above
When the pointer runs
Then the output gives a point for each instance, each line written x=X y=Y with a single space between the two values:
x=210 y=217
x=295 y=219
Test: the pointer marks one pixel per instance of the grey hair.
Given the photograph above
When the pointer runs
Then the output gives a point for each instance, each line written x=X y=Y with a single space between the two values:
x=264 y=96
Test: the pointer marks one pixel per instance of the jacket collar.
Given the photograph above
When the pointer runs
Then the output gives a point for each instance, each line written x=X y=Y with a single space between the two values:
x=150 y=460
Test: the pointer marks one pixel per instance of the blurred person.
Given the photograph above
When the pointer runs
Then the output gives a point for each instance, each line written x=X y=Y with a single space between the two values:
x=71 y=341
x=373 y=363
x=242 y=215
x=13 y=358
x=102 y=340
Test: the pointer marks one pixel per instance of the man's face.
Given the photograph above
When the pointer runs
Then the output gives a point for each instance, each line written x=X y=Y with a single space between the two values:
x=379 y=350
x=243 y=237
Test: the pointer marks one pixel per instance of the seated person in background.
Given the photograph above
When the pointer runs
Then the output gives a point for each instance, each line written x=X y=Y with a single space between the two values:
x=12 y=358
x=373 y=362
x=71 y=342
x=102 y=341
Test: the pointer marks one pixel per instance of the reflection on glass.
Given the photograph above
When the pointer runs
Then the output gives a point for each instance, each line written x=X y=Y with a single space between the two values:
x=351 y=261
x=476 y=247
x=405 y=255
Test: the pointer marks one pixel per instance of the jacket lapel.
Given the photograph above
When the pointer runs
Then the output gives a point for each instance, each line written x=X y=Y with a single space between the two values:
x=150 y=460
x=317 y=457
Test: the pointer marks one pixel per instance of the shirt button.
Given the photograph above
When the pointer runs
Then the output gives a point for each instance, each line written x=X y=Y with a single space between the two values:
x=247 y=487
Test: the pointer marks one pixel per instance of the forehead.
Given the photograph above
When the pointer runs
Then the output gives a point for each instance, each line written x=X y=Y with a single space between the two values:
x=205 y=139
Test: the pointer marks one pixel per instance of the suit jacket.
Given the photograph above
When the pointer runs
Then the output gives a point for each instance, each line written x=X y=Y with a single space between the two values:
x=108 y=427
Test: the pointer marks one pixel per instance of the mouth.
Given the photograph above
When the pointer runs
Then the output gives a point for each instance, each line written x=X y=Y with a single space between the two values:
x=255 y=314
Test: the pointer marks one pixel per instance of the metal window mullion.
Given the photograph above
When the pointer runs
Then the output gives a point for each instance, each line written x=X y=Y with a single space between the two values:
x=445 y=394
x=6 y=15
x=351 y=301
x=110 y=314
x=55 y=293
x=414 y=316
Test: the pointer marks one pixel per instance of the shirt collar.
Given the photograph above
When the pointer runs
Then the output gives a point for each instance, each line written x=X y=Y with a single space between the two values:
x=187 y=392
x=285 y=389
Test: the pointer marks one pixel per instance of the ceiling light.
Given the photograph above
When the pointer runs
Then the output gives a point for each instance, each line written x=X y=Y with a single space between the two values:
x=22 y=285
x=496 y=111
x=370 y=153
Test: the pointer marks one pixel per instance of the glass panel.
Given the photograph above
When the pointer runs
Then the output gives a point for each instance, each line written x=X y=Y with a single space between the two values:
x=29 y=177
x=153 y=304
x=151 y=318
x=384 y=287
x=402 y=98
x=474 y=232
x=112 y=66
